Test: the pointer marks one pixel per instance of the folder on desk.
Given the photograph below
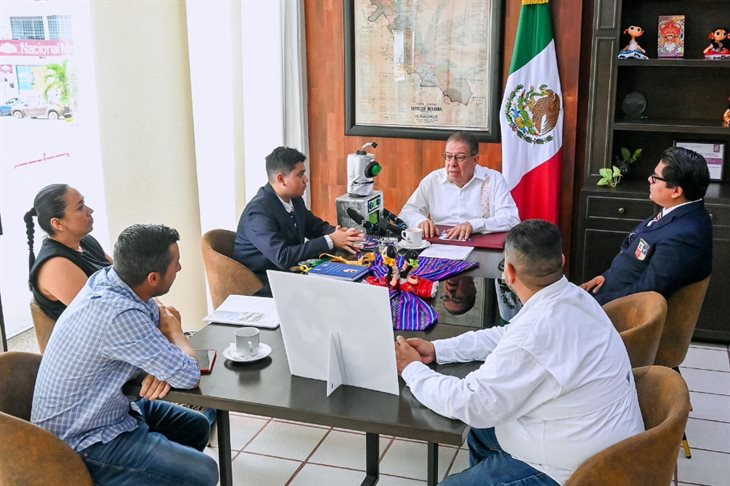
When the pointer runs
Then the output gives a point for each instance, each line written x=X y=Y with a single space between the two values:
x=487 y=241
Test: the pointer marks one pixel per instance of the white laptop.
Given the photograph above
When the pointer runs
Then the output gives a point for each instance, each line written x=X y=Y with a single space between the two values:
x=337 y=331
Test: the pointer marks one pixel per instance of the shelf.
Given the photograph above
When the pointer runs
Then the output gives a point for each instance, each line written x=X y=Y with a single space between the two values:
x=679 y=125
x=687 y=63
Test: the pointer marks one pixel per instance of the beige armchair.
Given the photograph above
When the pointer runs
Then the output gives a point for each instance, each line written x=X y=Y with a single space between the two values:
x=225 y=275
x=648 y=458
x=30 y=455
x=639 y=318
x=43 y=325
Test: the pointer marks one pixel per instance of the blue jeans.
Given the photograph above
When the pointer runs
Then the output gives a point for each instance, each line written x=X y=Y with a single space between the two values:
x=491 y=466
x=164 y=449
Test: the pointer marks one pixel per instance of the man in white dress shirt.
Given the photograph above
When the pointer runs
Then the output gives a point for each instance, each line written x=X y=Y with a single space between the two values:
x=556 y=385
x=464 y=195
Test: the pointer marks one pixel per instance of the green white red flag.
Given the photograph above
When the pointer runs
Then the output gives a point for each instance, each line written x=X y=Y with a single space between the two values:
x=532 y=117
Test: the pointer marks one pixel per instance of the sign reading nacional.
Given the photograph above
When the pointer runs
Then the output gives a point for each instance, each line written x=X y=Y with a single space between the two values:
x=422 y=68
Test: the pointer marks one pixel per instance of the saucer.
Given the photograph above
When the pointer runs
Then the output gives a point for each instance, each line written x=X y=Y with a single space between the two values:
x=424 y=244
x=231 y=354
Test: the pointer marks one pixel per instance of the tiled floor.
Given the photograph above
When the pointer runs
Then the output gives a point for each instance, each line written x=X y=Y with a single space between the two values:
x=275 y=452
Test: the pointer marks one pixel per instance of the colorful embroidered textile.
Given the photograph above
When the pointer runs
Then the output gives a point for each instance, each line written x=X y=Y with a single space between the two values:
x=410 y=312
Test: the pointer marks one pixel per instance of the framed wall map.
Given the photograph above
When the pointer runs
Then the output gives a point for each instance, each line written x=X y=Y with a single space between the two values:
x=423 y=68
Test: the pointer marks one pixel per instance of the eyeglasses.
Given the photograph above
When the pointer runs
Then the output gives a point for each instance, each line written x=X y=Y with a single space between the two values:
x=459 y=157
x=655 y=178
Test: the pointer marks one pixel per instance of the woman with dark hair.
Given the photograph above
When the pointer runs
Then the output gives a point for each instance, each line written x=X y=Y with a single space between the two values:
x=69 y=255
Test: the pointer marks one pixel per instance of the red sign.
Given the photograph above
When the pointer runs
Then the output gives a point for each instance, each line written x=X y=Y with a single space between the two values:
x=36 y=48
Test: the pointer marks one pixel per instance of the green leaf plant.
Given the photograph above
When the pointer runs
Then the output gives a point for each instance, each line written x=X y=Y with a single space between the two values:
x=626 y=159
x=610 y=177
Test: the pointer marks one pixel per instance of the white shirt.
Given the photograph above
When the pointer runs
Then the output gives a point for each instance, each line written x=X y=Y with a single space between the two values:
x=449 y=204
x=556 y=382
x=666 y=211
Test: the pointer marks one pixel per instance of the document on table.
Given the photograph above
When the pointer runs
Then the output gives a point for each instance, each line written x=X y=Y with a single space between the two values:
x=449 y=252
x=244 y=310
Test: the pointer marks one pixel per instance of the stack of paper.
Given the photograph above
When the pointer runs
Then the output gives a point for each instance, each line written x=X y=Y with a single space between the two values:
x=449 y=252
x=243 y=310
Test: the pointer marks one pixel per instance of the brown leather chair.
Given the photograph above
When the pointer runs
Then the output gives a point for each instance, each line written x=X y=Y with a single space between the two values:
x=639 y=318
x=683 y=310
x=648 y=458
x=30 y=455
x=42 y=323
x=225 y=275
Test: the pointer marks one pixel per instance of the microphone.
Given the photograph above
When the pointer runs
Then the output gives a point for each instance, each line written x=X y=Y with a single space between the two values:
x=395 y=219
x=357 y=218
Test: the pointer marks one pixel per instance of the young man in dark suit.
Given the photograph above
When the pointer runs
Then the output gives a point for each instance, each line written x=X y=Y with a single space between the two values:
x=673 y=248
x=276 y=230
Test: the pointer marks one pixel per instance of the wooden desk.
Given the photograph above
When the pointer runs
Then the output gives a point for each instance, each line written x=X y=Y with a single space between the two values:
x=267 y=388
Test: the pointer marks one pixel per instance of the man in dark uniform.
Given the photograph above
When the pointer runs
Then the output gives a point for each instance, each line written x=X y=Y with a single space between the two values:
x=276 y=230
x=673 y=248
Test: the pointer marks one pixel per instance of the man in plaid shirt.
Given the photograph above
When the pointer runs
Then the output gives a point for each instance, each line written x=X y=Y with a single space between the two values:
x=111 y=333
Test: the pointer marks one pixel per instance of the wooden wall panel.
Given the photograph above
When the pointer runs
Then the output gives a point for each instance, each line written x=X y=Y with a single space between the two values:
x=406 y=161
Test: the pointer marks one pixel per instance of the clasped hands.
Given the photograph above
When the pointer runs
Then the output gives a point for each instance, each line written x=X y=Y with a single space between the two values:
x=459 y=232
x=413 y=349
x=594 y=284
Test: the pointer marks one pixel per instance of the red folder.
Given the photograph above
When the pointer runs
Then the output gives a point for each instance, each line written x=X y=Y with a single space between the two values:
x=488 y=241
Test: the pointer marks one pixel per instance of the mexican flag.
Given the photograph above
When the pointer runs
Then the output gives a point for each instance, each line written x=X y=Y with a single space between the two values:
x=532 y=117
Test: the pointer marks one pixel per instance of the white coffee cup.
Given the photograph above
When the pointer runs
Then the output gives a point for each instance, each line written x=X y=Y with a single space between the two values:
x=413 y=237
x=247 y=341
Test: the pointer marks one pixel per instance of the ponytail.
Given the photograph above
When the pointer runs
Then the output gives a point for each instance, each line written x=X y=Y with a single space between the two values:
x=30 y=232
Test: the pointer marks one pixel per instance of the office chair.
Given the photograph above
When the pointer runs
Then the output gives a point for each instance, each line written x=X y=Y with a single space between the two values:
x=648 y=458
x=683 y=310
x=42 y=323
x=639 y=319
x=225 y=275
x=30 y=455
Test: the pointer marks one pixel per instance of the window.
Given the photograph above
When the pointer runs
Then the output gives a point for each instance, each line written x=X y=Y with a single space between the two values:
x=59 y=27
x=24 y=28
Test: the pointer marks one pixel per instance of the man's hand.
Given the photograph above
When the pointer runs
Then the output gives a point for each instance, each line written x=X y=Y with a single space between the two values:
x=174 y=311
x=152 y=388
x=409 y=350
x=169 y=324
x=429 y=228
x=347 y=239
x=425 y=349
x=460 y=232
x=594 y=284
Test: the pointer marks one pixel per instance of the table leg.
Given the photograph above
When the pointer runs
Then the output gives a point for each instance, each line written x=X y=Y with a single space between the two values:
x=372 y=458
x=433 y=463
x=224 y=448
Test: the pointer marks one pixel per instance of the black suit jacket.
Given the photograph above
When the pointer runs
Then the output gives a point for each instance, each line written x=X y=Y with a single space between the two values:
x=268 y=239
x=671 y=253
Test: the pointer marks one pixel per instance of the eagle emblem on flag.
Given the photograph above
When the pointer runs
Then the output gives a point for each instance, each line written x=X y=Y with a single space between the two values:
x=532 y=113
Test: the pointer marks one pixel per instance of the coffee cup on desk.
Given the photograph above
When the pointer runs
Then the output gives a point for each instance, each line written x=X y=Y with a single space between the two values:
x=247 y=341
x=412 y=237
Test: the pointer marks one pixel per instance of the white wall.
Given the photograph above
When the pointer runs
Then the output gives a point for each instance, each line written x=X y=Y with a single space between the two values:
x=146 y=131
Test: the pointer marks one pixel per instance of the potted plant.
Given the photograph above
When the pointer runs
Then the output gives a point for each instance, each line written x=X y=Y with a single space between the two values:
x=612 y=176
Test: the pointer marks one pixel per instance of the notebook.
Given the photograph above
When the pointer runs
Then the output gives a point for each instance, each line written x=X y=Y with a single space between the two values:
x=340 y=271
x=488 y=241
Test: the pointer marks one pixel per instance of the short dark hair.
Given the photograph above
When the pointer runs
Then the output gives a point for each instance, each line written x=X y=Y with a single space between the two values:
x=283 y=159
x=535 y=248
x=142 y=249
x=687 y=169
x=467 y=138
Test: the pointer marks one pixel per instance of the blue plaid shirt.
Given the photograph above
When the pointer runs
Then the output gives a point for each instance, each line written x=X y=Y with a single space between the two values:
x=106 y=337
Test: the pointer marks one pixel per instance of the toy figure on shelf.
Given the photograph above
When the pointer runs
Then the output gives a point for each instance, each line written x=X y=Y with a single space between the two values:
x=633 y=50
x=726 y=116
x=719 y=47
